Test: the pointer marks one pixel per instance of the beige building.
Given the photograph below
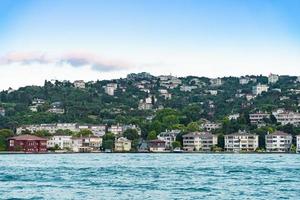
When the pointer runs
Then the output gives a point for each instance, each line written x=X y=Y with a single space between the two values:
x=122 y=144
x=241 y=141
x=199 y=141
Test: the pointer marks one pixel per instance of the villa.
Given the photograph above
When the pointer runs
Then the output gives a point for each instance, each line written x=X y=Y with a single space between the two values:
x=241 y=141
x=168 y=137
x=157 y=146
x=199 y=141
x=122 y=144
x=278 y=142
x=27 y=143
x=61 y=141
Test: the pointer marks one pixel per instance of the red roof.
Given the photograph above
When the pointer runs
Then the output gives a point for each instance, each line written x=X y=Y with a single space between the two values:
x=27 y=137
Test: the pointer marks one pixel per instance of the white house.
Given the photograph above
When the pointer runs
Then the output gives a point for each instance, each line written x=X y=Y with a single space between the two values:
x=79 y=84
x=62 y=141
x=244 y=81
x=258 y=117
x=259 y=89
x=209 y=126
x=234 y=116
x=241 y=141
x=216 y=82
x=284 y=117
x=278 y=142
x=110 y=88
x=168 y=137
x=2 y=112
x=273 y=78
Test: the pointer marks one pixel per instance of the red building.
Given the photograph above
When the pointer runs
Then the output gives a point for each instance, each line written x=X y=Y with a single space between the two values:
x=27 y=143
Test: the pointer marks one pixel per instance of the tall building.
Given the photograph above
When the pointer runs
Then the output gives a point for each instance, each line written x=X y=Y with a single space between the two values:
x=278 y=142
x=241 y=141
x=199 y=141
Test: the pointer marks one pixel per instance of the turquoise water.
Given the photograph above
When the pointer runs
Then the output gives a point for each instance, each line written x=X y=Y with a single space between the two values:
x=150 y=176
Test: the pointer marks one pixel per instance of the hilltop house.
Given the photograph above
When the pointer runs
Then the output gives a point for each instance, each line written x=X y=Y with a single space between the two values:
x=278 y=142
x=2 y=112
x=79 y=84
x=27 y=143
x=259 y=89
x=241 y=141
x=273 y=78
x=110 y=88
x=258 y=117
x=284 y=117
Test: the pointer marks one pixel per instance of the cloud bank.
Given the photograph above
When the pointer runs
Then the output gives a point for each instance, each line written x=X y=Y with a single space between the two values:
x=73 y=59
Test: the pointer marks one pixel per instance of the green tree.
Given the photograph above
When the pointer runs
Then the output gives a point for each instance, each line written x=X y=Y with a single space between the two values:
x=152 y=135
x=84 y=133
x=4 y=135
x=176 y=144
x=108 y=144
x=131 y=134
x=192 y=127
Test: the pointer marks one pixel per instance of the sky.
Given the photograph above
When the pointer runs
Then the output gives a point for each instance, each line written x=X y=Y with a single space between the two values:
x=106 y=39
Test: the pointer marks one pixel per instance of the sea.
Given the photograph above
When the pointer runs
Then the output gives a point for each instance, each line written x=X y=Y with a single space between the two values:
x=150 y=176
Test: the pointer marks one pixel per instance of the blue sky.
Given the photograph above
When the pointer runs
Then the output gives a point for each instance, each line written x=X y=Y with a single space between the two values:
x=103 y=39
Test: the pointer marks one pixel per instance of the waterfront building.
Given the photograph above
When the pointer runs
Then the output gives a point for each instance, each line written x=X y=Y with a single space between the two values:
x=273 y=78
x=241 y=141
x=27 y=143
x=168 y=137
x=157 y=146
x=199 y=141
x=61 y=141
x=278 y=142
x=284 y=117
x=298 y=143
x=122 y=144
x=259 y=89
x=79 y=84
x=258 y=117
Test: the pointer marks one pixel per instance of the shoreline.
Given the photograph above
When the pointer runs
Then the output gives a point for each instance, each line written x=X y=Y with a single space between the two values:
x=50 y=153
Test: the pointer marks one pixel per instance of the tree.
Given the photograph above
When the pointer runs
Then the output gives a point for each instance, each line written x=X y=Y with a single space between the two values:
x=108 y=144
x=152 y=135
x=4 y=135
x=84 y=133
x=192 y=127
x=131 y=134
x=176 y=144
